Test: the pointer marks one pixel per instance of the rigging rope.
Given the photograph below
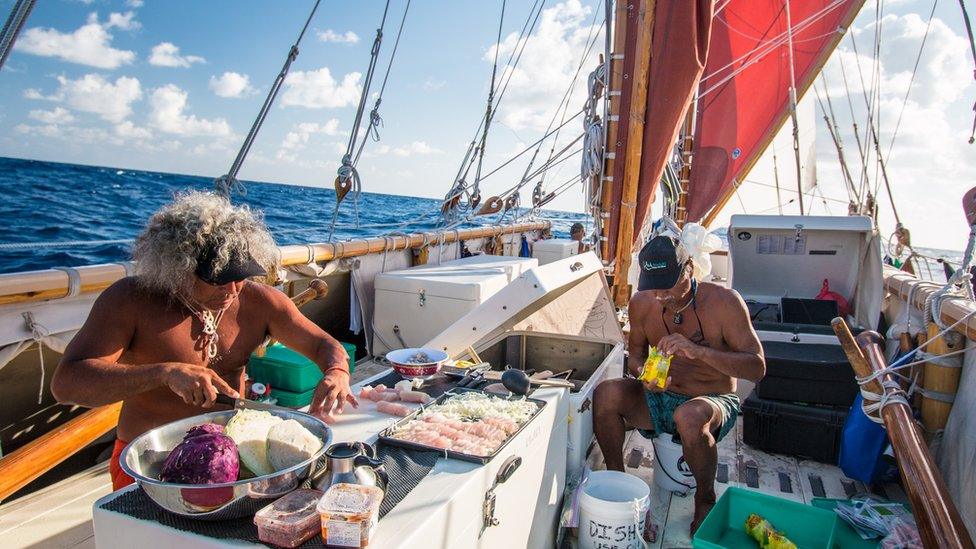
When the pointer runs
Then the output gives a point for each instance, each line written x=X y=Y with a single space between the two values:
x=489 y=112
x=347 y=174
x=972 y=47
x=375 y=120
x=921 y=48
x=831 y=124
x=11 y=29
x=228 y=183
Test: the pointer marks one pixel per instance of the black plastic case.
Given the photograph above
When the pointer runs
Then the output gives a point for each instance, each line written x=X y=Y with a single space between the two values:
x=810 y=373
x=799 y=430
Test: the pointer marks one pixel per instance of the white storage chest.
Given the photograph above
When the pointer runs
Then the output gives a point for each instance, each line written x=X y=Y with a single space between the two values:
x=547 y=251
x=421 y=301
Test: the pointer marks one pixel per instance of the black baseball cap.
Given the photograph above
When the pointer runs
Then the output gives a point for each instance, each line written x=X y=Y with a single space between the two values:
x=240 y=267
x=659 y=268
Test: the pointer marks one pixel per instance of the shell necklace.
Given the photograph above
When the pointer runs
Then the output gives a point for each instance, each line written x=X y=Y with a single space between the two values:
x=210 y=321
x=677 y=318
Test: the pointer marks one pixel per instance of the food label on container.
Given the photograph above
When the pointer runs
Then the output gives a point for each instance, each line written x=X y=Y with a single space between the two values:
x=344 y=534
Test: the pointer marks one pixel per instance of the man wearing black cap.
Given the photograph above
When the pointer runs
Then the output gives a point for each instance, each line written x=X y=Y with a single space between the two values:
x=707 y=330
x=169 y=339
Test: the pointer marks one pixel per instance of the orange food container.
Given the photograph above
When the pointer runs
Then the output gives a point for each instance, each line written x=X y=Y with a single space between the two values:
x=348 y=514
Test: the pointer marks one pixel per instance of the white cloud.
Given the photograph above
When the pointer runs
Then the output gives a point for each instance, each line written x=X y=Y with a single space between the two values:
x=124 y=21
x=94 y=94
x=167 y=105
x=416 y=148
x=433 y=85
x=317 y=90
x=545 y=70
x=68 y=133
x=128 y=130
x=297 y=139
x=329 y=35
x=134 y=3
x=88 y=45
x=231 y=84
x=167 y=54
x=57 y=116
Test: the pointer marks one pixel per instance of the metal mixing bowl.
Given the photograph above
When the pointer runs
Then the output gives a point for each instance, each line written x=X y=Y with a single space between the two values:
x=143 y=460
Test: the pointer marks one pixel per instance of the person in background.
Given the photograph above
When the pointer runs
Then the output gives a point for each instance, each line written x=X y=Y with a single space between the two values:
x=707 y=331
x=577 y=232
x=168 y=340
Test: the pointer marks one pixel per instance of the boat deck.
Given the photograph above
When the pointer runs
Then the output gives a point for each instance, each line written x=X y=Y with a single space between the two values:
x=738 y=465
x=59 y=516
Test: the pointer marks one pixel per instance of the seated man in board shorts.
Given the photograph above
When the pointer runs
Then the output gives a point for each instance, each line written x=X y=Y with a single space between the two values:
x=707 y=329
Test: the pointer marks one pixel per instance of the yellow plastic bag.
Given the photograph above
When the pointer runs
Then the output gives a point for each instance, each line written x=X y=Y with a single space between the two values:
x=656 y=368
x=763 y=532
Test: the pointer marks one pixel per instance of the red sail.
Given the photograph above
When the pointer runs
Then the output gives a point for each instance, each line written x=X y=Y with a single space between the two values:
x=744 y=93
x=678 y=52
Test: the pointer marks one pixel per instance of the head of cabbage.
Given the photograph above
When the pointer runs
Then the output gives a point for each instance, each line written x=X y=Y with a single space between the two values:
x=205 y=456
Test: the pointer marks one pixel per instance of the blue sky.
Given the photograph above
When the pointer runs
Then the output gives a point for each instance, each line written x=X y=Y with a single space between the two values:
x=174 y=86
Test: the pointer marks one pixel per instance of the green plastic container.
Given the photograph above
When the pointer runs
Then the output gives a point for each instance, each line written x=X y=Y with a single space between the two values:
x=724 y=527
x=844 y=535
x=282 y=368
x=291 y=399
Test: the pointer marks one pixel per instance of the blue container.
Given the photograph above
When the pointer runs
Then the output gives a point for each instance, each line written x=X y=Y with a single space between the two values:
x=862 y=446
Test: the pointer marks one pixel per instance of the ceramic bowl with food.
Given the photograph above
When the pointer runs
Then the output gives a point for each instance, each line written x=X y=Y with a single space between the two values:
x=416 y=363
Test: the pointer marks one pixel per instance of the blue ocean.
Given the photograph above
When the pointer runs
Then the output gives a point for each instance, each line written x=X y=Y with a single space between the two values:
x=62 y=214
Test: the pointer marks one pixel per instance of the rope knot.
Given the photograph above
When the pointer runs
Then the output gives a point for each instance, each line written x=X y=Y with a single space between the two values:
x=227 y=185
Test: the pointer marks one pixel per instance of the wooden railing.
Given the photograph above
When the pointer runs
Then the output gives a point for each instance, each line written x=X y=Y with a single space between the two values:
x=39 y=456
x=936 y=515
x=54 y=284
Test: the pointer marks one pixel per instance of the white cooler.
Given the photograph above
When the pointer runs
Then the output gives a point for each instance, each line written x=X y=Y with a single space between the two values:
x=547 y=251
x=421 y=301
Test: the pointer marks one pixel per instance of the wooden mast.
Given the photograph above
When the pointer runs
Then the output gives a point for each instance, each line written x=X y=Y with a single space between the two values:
x=635 y=142
x=684 y=176
x=614 y=146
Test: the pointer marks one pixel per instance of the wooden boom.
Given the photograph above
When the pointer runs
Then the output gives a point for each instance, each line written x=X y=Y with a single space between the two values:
x=939 y=522
x=37 y=457
x=53 y=284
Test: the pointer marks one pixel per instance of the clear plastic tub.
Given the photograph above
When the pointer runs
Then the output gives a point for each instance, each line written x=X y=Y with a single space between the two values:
x=291 y=520
x=348 y=514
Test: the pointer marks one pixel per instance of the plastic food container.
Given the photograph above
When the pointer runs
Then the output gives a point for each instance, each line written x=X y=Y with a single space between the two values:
x=291 y=520
x=348 y=514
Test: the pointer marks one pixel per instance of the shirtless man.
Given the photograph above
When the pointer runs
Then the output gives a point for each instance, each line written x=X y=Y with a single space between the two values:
x=707 y=330
x=149 y=342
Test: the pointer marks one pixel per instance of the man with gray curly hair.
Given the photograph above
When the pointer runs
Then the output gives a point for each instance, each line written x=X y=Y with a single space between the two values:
x=169 y=339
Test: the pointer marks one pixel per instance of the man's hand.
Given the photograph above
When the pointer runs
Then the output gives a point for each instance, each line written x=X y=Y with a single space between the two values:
x=331 y=395
x=652 y=385
x=677 y=344
x=196 y=385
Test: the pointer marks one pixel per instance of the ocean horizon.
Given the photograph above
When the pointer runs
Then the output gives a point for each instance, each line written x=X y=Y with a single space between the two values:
x=69 y=215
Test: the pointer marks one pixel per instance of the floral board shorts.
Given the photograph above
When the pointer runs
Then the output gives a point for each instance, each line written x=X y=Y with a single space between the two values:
x=662 y=407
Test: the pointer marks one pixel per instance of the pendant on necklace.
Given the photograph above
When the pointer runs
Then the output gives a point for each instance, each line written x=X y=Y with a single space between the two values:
x=676 y=318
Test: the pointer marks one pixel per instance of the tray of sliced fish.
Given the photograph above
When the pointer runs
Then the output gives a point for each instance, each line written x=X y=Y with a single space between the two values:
x=464 y=424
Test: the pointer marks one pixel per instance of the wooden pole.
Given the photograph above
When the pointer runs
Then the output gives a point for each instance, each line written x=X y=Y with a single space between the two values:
x=939 y=522
x=614 y=147
x=53 y=284
x=684 y=176
x=37 y=457
x=939 y=378
x=635 y=145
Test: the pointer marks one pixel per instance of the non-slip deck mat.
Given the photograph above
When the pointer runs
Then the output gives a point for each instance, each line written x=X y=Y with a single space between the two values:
x=405 y=467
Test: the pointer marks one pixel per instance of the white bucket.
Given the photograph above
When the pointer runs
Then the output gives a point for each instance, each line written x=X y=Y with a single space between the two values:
x=612 y=510
x=671 y=471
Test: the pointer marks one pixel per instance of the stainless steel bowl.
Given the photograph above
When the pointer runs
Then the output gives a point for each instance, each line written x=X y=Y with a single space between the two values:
x=143 y=460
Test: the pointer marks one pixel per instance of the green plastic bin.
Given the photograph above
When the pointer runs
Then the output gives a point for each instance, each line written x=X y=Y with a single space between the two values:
x=724 y=527
x=282 y=368
x=291 y=399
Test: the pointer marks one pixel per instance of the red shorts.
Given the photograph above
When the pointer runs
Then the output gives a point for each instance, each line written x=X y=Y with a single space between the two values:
x=119 y=478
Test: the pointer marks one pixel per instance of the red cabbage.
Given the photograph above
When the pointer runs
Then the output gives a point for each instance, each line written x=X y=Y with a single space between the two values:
x=206 y=456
